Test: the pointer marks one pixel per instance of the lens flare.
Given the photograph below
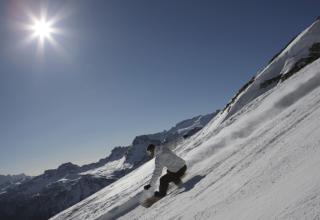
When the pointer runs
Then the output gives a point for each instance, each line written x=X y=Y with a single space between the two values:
x=42 y=29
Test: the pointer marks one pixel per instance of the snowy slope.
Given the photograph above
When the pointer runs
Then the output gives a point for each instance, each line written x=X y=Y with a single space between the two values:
x=257 y=159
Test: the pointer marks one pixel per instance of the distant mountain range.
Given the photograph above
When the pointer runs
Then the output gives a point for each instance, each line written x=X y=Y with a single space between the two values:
x=43 y=196
x=10 y=180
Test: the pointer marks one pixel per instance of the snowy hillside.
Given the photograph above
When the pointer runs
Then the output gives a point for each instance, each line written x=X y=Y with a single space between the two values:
x=259 y=158
x=57 y=189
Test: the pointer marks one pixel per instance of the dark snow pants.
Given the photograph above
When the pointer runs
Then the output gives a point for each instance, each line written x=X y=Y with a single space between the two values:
x=168 y=178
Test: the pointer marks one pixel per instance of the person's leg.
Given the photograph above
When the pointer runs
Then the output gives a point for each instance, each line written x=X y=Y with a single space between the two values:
x=178 y=175
x=164 y=183
x=170 y=177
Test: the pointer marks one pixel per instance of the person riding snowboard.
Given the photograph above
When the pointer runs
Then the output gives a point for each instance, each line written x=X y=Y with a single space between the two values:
x=176 y=168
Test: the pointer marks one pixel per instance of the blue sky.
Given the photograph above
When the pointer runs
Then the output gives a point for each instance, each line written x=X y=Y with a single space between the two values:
x=129 y=68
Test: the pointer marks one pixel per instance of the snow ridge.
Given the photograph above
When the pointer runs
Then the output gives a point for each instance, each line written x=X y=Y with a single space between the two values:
x=297 y=50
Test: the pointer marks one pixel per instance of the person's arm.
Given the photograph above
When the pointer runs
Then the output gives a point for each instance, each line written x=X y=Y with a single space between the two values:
x=157 y=172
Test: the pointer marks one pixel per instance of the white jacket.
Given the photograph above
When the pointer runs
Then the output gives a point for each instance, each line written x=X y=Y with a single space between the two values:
x=164 y=157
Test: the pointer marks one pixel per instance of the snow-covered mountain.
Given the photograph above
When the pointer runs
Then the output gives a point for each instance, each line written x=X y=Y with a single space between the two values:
x=55 y=190
x=259 y=158
x=7 y=181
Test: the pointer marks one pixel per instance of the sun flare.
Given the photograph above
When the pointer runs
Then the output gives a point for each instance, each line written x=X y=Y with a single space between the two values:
x=42 y=29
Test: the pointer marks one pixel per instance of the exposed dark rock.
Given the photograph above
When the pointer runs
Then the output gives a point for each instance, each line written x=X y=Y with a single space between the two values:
x=242 y=89
x=314 y=54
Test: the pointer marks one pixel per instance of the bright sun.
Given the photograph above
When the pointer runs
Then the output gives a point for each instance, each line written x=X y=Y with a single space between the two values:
x=42 y=29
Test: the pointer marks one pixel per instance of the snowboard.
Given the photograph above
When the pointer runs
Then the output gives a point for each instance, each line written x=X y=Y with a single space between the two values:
x=147 y=203
x=147 y=199
x=150 y=201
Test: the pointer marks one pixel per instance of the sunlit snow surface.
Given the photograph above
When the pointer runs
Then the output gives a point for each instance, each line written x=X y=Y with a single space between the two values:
x=108 y=168
x=261 y=163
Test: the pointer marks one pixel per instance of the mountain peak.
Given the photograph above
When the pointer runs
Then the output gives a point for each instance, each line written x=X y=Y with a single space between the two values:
x=67 y=166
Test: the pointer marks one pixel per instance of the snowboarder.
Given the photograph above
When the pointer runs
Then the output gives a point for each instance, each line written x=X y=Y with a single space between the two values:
x=176 y=168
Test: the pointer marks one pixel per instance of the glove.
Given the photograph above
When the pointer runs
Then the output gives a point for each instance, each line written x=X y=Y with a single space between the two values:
x=146 y=187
